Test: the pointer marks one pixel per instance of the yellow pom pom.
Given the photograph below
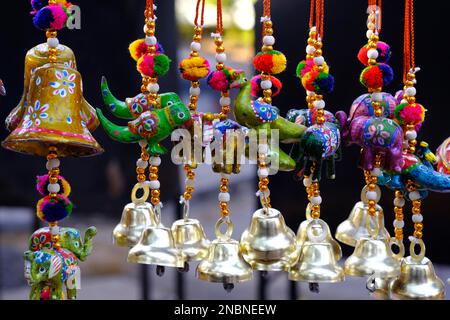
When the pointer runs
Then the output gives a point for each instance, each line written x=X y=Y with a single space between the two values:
x=279 y=63
x=194 y=68
x=137 y=49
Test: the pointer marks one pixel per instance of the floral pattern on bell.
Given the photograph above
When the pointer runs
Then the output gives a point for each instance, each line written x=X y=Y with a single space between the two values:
x=35 y=114
x=65 y=85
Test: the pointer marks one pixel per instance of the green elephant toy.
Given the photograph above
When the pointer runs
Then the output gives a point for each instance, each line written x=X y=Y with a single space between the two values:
x=70 y=239
x=48 y=270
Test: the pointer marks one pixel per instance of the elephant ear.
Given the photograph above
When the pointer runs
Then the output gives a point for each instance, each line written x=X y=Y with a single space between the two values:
x=55 y=266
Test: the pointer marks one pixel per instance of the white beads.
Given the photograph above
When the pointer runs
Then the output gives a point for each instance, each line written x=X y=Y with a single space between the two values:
x=269 y=40
x=221 y=57
x=196 y=46
x=189 y=183
x=224 y=197
x=377 y=96
x=376 y=172
x=307 y=182
x=153 y=87
x=316 y=200
x=372 y=54
x=319 y=104
x=411 y=134
x=414 y=195
x=417 y=218
x=53 y=188
x=52 y=164
x=266 y=84
x=265 y=193
x=399 y=202
x=263 y=149
x=225 y=101
x=399 y=224
x=143 y=143
x=310 y=93
x=319 y=60
x=151 y=40
x=369 y=34
x=410 y=92
x=310 y=49
x=53 y=42
x=371 y=195
x=155 y=161
x=263 y=172
x=194 y=91
x=154 y=184
x=142 y=164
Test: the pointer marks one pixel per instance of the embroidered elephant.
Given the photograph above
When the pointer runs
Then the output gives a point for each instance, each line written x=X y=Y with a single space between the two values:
x=50 y=270
x=70 y=239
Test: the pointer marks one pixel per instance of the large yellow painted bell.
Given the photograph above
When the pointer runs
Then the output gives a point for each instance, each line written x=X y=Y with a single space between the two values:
x=135 y=217
x=354 y=228
x=317 y=262
x=224 y=263
x=269 y=244
x=54 y=116
x=417 y=279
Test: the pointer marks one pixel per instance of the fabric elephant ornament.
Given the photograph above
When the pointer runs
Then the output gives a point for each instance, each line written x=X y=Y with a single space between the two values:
x=70 y=239
x=49 y=271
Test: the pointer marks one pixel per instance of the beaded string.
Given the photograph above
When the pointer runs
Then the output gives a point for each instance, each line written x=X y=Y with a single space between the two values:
x=375 y=16
x=316 y=16
x=149 y=84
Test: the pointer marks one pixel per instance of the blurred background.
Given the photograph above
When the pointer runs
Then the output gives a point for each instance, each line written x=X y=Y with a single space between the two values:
x=101 y=185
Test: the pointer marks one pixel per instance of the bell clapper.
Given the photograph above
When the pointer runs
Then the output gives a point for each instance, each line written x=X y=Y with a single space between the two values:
x=228 y=287
x=185 y=268
x=314 y=287
x=160 y=270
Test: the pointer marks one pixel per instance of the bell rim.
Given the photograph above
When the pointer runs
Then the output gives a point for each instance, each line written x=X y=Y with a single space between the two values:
x=203 y=276
x=178 y=262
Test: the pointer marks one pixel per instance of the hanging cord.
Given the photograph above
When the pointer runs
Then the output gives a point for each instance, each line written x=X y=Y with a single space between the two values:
x=202 y=14
x=316 y=16
x=375 y=8
x=219 y=24
x=149 y=10
x=408 y=41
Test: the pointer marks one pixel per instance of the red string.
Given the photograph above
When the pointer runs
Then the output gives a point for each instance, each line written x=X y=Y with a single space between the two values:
x=316 y=16
x=197 y=11
x=266 y=10
x=376 y=5
x=408 y=40
x=219 y=25
x=149 y=13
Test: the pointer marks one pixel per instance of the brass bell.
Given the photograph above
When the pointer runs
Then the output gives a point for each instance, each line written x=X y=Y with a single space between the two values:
x=268 y=244
x=37 y=57
x=302 y=235
x=135 y=217
x=224 y=263
x=417 y=279
x=54 y=116
x=353 y=229
x=374 y=255
x=190 y=236
x=378 y=287
x=157 y=246
x=317 y=262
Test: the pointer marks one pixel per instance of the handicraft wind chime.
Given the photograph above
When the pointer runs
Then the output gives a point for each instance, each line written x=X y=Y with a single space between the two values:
x=53 y=120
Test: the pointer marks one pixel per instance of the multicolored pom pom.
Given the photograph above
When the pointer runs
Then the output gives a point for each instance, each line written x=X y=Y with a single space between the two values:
x=257 y=91
x=384 y=53
x=406 y=113
x=39 y=4
x=308 y=65
x=377 y=76
x=153 y=65
x=223 y=80
x=52 y=209
x=271 y=62
x=194 y=68
x=138 y=48
x=52 y=17
x=318 y=82
x=42 y=183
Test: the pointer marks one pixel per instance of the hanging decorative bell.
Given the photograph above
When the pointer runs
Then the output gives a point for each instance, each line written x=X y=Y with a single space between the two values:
x=135 y=217
x=317 y=262
x=268 y=244
x=54 y=116
x=378 y=287
x=190 y=236
x=417 y=279
x=157 y=246
x=37 y=57
x=302 y=235
x=354 y=228
x=224 y=263
x=373 y=256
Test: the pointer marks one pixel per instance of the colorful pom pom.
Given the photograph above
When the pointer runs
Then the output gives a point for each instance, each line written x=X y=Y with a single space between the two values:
x=257 y=91
x=218 y=80
x=42 y=182
x=406 y=113
x=51 y=17
x=377 y=76
x=138 y=48
x=271 y=62
x=39 y=4
x=52 y=209
x=319 y=82
x=384 y=53
x=194 y=68
x=153 y=66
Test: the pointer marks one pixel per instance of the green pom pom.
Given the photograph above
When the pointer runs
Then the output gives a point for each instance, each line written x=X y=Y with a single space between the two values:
x=300 y=67
x=161 y=65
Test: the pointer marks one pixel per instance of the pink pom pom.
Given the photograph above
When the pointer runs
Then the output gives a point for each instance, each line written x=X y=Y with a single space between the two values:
x=59 y=17
x=146 y=65
x=218 y=81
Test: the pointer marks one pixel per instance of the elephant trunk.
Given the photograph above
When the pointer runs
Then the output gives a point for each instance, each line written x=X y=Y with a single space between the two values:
x=430 y=179
x=115 y=132
x=90 y=233
x=117 y=107
x=341 y=117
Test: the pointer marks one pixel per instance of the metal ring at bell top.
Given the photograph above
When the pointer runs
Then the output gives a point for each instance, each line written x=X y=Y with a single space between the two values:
x=316 y=238
x=144 y=197
x=375 y=231
x=228 y=232
x=417 y=257
x=400 y=246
